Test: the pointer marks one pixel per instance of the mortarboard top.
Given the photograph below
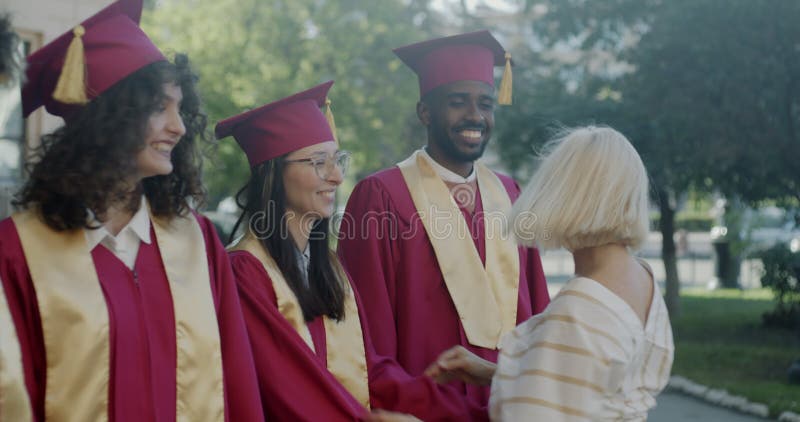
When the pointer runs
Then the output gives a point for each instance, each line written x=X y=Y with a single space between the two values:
x=283 y=126
x=81 y=64
x=464 y=57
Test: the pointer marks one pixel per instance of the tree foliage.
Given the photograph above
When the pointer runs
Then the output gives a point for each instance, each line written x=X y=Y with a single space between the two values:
x=782 y=274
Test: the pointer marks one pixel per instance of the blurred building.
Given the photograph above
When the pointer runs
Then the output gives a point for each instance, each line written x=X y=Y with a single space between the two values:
x=37 y=22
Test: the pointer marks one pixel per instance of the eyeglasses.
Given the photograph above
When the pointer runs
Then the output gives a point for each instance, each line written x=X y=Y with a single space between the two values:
x=324 y=164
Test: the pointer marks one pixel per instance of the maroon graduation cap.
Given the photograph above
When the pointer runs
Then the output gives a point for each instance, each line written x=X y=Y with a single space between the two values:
x=82 y=63
x=283 y=126
x=464 y=57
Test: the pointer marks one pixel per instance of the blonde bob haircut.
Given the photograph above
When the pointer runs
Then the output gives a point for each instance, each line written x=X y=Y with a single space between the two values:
x=591 y=189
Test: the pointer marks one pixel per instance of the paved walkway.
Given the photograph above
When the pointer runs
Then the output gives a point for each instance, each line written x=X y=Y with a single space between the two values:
x=674 y=407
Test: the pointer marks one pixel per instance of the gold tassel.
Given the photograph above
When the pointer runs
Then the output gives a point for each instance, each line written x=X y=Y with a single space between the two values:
x=329 y=118
x=71 y=86
x=504 y=97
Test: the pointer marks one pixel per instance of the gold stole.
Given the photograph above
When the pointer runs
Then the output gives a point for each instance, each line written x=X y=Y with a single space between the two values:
x=15 y=404
x=345 y=342
x=75 y=321
x=485 y=298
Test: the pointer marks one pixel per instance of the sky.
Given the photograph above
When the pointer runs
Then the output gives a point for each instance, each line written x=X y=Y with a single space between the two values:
x=502 y=5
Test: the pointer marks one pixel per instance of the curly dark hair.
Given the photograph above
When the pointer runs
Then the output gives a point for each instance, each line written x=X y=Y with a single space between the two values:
x=10 y=60
x=84 y=165
x=263 y=204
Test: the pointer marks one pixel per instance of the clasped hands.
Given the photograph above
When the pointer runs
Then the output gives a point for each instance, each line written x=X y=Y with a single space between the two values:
x=456 y=363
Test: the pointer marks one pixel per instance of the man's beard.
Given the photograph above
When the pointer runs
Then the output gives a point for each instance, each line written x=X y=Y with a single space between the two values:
x=442 y=138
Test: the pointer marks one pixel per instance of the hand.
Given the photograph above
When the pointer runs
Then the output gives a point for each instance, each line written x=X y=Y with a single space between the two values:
x=461 y=364
x=379 y=415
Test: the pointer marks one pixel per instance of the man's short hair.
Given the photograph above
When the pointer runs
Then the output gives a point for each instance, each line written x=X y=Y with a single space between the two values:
x=591 y=189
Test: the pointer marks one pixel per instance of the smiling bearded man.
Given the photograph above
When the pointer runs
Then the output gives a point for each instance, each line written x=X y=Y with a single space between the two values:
x=424 y=240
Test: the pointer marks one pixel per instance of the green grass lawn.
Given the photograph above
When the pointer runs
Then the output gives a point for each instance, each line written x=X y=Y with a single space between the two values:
x=720 y=342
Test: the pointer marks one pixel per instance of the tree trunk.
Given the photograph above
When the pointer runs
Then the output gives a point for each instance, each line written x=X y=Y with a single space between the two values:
x=667 y=227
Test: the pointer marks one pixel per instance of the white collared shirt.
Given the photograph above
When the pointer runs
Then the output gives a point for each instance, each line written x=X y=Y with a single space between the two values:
x=446 y=174
x=125 y=245
x=303 y=261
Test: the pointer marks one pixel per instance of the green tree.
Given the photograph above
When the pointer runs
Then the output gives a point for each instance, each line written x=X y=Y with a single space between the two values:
x=712 y=80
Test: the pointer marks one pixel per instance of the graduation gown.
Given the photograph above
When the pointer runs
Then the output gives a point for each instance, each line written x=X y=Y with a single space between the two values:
x=141 y=334
x=280 y=353
x=410 y=314
x=14 y=401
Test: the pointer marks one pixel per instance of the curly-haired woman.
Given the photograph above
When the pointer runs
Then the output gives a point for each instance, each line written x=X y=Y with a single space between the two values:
x=122 y=297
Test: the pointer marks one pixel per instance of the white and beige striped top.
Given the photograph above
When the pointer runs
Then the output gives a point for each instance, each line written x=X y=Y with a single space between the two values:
x=586 y=357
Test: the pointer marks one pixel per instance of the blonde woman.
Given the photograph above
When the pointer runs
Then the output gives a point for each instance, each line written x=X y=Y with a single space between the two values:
x=602 y=349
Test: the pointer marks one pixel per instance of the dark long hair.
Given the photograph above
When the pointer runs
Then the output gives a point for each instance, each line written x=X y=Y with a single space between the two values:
x=83 y=166
x=263 y=204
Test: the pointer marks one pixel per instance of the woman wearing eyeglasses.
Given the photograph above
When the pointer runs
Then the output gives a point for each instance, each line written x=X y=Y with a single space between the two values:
x=313 y=357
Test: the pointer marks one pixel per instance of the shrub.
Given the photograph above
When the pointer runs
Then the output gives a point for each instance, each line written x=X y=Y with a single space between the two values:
x=782 y=274
x=690 y=223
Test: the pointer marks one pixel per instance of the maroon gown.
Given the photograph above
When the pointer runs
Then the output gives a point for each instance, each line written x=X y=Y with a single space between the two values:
x=309 y=392
x=141 y=333
x=411 y=317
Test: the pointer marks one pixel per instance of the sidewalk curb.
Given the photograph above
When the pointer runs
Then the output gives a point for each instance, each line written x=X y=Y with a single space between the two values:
x=721 y=398
x=789 y=417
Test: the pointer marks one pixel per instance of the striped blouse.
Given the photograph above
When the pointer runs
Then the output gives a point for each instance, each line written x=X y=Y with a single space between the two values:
x=586 y=357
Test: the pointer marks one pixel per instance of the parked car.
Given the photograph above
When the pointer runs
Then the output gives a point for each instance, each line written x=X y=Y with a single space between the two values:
x=764 y=228
x=794 y=244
